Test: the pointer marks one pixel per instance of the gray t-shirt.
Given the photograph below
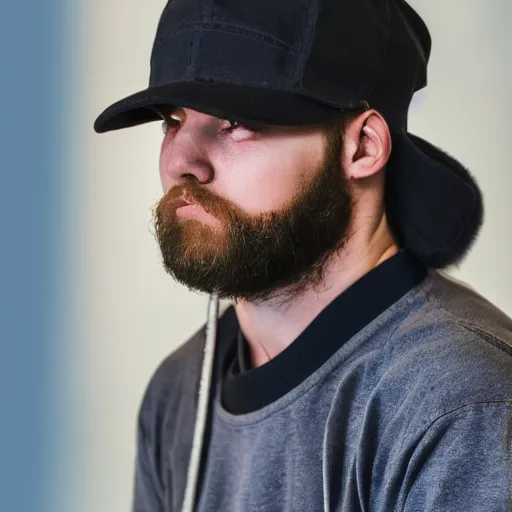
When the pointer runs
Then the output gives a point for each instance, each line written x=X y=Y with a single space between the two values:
x=397 y=397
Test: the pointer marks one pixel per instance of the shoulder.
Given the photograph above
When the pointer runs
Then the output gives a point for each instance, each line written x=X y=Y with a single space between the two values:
x=453 y=350
x=173 y=386
x=178 y=365
x=168 y=384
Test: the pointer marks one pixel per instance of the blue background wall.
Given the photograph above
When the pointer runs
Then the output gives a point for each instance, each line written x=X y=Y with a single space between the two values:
x=33 y=255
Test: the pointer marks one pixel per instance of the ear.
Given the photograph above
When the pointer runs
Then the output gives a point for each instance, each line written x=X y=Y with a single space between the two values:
x=366 y=145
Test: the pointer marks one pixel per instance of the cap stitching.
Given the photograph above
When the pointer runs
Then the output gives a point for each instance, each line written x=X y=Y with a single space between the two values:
x=230 y=29
x=308 y=32
x=280 y=85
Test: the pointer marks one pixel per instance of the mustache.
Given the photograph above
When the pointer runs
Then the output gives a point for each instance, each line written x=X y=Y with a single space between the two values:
x=194 y=193
x=190 y=193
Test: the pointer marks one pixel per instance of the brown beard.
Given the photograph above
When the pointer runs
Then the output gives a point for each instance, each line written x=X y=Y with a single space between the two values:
x=257 y=257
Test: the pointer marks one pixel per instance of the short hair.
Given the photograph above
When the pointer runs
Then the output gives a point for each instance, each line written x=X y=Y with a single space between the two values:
x=334 y=128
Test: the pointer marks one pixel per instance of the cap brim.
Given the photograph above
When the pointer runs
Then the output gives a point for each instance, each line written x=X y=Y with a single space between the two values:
x=237 y=102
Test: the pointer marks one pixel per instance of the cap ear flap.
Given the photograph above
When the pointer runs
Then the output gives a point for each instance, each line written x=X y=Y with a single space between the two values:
x=433 y=204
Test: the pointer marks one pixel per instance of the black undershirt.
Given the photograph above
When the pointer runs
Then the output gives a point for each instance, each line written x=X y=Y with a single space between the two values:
x=246 y=389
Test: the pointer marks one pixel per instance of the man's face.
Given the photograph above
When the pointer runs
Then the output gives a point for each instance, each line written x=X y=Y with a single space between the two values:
x=247 y=253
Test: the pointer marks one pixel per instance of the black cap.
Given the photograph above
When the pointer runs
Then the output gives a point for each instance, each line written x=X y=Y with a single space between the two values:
x=294 y=63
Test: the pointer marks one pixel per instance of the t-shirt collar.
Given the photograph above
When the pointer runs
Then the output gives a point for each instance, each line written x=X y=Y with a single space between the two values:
x=246 y=389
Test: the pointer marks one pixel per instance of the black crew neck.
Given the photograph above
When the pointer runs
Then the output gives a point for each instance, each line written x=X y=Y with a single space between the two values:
x=246 y=389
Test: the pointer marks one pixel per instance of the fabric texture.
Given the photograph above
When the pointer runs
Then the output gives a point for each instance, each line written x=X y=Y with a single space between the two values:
x=411 y=413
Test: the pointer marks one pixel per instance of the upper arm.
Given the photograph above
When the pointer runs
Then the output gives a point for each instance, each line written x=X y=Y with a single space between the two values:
x=464 y=462
x=148 y=493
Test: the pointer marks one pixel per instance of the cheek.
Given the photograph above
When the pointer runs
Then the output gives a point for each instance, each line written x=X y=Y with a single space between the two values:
x=165 y=180
x=267 y=176
x=259 y=185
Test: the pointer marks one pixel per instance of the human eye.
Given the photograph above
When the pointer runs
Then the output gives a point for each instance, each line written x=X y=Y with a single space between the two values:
x=167 y=123
x=234 y=125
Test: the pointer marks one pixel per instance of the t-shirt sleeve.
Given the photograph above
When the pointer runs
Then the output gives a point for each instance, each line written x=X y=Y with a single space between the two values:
x=463 y=463
x=148 y=494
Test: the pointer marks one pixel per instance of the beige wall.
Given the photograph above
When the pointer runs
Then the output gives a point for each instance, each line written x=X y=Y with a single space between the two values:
x=129 y=314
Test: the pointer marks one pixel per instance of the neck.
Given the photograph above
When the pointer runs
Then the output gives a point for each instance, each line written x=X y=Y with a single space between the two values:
x=271 y=326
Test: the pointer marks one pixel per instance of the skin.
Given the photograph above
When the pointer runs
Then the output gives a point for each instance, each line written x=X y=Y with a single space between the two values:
x=232 y=174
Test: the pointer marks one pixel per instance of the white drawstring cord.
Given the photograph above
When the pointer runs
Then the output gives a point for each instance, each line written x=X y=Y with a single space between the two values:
x=325 y=475
x=202 y=404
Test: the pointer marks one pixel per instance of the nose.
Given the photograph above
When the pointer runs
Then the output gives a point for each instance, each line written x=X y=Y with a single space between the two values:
x=184 y=151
